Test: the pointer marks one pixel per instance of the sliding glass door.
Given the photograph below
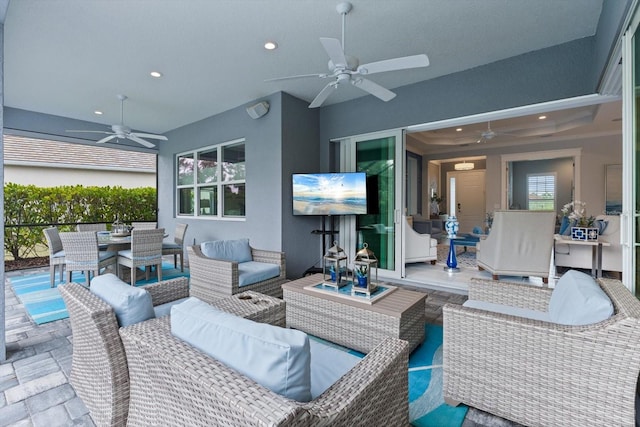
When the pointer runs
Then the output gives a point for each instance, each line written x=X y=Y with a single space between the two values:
x=380 y=155
x=631 y=145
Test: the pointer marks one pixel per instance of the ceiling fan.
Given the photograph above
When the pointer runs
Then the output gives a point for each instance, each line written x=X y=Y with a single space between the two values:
x=347 y=69
x=124 y=132
x=489 y=134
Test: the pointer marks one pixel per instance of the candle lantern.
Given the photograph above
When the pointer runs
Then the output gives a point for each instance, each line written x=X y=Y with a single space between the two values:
x=365 y=272
x=334 y=267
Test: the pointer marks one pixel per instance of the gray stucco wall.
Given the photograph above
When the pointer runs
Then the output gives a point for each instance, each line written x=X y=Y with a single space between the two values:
x=263 y=177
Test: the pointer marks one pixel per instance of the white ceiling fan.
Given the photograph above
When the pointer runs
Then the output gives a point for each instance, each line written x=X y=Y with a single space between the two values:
x=124 y=132
x=347 y=69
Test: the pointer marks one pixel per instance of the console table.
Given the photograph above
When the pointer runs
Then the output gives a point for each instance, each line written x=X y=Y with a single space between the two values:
x=353 y=324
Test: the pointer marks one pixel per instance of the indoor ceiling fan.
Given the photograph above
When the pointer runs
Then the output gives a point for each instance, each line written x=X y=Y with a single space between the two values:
x=489 y=134
x=347 y=69
x=124 y=132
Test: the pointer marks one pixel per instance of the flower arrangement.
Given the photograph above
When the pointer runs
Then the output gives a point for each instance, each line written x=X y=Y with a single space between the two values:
x=576 y=212
x=361 y=270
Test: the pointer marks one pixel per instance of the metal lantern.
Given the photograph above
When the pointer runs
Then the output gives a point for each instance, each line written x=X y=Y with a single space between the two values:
x=365 y=272
x=334 y=267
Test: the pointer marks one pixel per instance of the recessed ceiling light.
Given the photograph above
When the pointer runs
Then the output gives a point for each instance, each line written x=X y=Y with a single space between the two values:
x=459 y=130
x=271 y=45
x=97 y=113
x=542 y=117
x=156 y=74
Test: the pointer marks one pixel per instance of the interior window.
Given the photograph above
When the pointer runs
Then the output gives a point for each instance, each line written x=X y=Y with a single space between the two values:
x=541 y=192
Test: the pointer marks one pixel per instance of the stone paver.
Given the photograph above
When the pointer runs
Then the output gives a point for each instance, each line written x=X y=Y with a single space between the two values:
x=34 y=380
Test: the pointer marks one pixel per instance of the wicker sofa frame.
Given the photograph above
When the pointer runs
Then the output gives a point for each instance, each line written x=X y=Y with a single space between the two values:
x=539 y=373
x=173 y=383
x=212 y=279
x=99 y=370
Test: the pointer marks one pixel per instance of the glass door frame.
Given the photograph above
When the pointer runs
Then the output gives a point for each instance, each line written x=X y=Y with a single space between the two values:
x=630 y=215
x=348 y=236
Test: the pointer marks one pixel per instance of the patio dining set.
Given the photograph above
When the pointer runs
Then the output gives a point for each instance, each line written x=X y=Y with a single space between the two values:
x=92 y=249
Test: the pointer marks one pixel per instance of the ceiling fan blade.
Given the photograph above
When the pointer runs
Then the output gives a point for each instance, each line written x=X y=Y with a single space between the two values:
x=149 y=135
x=90 y=131
x=334 y=50
x=374 y=89
x=402 y=63
x=323 y=95
x=300 y=76
x=140 y=141
x=106 y=139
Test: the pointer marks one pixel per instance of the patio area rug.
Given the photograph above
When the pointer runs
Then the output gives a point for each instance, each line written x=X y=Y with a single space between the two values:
x=44 y=304
x=426 y=404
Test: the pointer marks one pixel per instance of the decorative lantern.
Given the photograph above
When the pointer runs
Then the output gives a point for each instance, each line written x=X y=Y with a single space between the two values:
x=334 y=267
x=117 y=227
x=365 y=272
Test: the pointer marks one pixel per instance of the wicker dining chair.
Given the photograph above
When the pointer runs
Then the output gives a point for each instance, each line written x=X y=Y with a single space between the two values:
x=82 y=254
x=56 y=253
x=91 y=227
x=144 y=225
x=177 y=247
x=146 y=251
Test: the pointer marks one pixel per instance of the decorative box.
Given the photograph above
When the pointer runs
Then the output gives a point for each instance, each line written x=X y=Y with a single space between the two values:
x=584 y=233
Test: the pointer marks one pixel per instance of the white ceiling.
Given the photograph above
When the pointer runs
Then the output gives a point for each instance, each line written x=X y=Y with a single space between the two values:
x=71 y=57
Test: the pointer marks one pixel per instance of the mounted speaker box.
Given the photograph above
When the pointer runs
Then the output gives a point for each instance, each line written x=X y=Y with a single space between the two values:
x=258 y=110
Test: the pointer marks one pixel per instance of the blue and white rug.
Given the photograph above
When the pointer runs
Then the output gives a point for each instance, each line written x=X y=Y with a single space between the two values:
x=426 y=403
x=44 y=303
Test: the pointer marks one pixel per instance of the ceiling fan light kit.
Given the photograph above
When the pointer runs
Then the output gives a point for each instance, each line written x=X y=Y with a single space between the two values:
x=347 y=69
x=121 y=131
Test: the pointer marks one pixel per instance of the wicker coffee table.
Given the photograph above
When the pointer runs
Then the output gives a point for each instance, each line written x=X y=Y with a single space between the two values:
x=353 y=324
x=253 y=306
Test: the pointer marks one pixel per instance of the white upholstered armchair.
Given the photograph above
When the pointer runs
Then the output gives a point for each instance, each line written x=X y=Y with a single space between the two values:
x=418 y=247
x=520 y=244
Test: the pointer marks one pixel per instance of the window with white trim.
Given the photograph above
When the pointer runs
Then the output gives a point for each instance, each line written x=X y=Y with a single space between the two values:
x=211 y=181
x=541 y=192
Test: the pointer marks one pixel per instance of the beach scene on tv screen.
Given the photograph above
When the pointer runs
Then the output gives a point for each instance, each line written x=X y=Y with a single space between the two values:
x=329 y=194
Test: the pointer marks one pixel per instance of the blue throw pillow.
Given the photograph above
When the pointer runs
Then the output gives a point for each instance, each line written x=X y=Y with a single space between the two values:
x=565 y=226
x=131 y=304
x=601 y=225
x=278 y=358
x=228 y=250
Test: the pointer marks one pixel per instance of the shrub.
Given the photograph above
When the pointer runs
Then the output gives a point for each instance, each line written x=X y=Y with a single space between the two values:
x=29 y=209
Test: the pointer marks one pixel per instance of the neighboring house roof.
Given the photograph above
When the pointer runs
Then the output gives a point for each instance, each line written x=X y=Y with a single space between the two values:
x=27 y=151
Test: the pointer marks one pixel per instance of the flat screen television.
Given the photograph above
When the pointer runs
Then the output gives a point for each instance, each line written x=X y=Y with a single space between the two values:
x=343 y=193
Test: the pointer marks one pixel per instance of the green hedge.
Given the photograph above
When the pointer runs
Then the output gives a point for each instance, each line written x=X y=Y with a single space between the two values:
x=29 y=209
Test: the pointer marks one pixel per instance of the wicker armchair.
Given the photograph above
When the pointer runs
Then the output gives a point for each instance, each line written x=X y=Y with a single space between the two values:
x=99 y=371
x=145 y=225
x=56 y=253
x=213 y=278
x=146 y=251
x=91 y=227
x=173 y=383
x=538 y=373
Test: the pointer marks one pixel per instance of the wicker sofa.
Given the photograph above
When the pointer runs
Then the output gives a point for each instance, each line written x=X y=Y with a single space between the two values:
x=217 y=278
x=172 y=383
x=99 y=371
x=540 y=373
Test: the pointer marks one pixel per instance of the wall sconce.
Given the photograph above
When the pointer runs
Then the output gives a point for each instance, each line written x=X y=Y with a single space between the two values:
x=464 y=166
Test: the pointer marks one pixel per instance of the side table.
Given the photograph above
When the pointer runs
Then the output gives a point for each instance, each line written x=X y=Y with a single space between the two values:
x=254 y=306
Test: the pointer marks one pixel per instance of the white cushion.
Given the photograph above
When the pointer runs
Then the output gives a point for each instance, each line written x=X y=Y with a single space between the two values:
x=275 y=357
x=328 y=365
x=228 y=250
x=131 y=304
x=253 y=272
x=507 y=309
x=578 y=300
